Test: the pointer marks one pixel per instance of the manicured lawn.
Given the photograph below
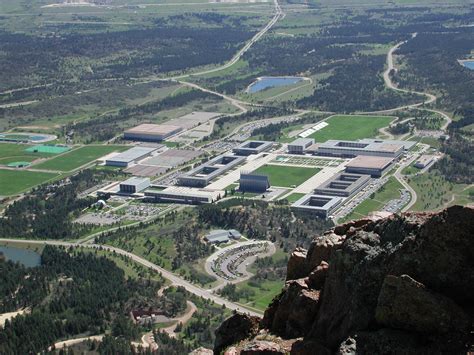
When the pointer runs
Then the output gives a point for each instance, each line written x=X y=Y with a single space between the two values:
x=11 y=152
x=78 y=157
x=387 y=192
x=16 y=181
x=346 y=127
x=294 y=197
x=286 y=176
x=264 y=293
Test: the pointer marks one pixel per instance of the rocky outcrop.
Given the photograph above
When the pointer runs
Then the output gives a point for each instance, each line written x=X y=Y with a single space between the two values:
x=402 y=284
x=235 y=329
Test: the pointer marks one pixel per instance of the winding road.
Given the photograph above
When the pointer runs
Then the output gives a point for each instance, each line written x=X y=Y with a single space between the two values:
x=175 y=280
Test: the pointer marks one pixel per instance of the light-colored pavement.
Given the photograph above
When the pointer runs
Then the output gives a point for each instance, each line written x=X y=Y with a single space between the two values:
x=175 y=280
x=183 y=319
x=242 y=267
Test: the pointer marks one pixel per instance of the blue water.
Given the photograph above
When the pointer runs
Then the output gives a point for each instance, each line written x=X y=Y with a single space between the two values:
x=26 y=257
x=271 y=82
x=36 y=138
x=469 y=64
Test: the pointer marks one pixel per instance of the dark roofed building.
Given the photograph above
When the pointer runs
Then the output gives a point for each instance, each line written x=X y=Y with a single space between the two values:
x=253 y=182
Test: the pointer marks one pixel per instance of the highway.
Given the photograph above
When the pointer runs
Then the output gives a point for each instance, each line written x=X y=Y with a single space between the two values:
x=175 y=280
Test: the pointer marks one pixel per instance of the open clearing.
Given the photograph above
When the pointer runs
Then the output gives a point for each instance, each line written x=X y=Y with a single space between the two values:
x=286 y=176
x=16 y=181
x=347 y=127
x=78 y=157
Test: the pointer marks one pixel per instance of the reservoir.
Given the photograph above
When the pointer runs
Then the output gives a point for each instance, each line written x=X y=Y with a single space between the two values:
x=267 y=82
x=26 y=257
x=468 y=64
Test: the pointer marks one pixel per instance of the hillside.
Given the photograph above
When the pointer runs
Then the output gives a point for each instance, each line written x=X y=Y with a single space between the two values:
x=399 y=285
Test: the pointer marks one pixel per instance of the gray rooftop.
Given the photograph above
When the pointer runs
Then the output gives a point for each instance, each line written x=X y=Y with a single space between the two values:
x=135 y=181
x=302 y=141
x=132 y=154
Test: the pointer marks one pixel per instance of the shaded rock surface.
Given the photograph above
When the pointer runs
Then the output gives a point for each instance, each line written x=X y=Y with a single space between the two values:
x=398 y=285
x=235 y=328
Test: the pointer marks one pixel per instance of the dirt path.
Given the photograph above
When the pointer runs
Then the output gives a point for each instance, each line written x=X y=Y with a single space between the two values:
x=183 y=319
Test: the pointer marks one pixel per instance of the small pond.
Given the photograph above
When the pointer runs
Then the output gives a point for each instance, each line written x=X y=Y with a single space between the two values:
x=267 y=82
x=26 y=257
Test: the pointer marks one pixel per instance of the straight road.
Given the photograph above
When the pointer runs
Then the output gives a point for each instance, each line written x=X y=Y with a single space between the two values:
x=175 y=280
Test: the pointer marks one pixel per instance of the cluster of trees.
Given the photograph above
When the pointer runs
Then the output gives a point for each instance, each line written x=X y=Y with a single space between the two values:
x=252 y=115
x=48 y=211
x=458 y=164
x=357 y=86
x=85 y=294
x=399 y=128
x=260 y=220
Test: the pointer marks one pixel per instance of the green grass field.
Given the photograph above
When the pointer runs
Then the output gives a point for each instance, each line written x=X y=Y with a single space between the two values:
x=264 y=294
x=286 y=176
x=387 y=192
x=351 y=127
x=12 y=152
x=78 y=157
x=435 y=192
x=17 y=181
x=294 y=197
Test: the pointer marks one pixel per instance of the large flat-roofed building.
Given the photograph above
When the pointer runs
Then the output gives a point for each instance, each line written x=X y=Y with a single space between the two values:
x=205 y=173
x=130 y=156
x=181 y=194
x=252 y=182
x=134 y=185
x=300 y=145
x=369 y=147
x=343 y=185
x=373 y=166
x=322 y=206
x=252 y=147
x=222 y=236
x=149 y=132
x=424 y=161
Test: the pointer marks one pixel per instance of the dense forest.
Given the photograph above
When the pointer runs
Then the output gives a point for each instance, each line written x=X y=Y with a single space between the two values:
x=47 y=212
x=167 y=46
x=432 y=64
x=83 y=293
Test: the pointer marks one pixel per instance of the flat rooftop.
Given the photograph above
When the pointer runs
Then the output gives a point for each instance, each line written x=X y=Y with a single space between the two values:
x=318 y=202
x=132 y=154
x=135 y=181
x=150 y=128
x=343 y=184
x=369 y=162
x=367 y=145
x=302 y=141
x=188 y=191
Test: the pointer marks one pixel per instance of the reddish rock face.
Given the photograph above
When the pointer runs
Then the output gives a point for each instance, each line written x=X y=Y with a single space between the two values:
x=398 y=285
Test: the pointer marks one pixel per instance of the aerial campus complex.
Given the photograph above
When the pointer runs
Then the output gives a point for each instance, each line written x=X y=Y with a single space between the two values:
x=326 y=179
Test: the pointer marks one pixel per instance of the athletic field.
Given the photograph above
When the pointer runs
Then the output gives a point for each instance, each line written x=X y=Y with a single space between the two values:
x=13 y=152
x=17 y=181
x=346 y=127
x=79 y=157
x=286 y=176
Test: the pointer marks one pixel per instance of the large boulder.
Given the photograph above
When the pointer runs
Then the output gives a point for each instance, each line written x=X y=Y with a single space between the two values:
x=406 y=304
x=292 y=312
x=234 y=329
x=296 y=264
